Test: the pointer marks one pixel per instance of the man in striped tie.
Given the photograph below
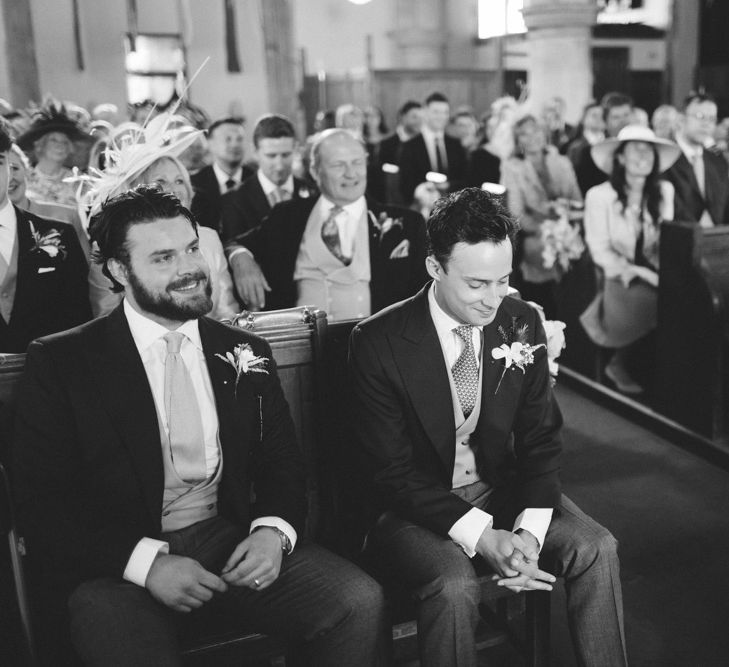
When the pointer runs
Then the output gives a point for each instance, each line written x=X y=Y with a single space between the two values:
x=463 y=450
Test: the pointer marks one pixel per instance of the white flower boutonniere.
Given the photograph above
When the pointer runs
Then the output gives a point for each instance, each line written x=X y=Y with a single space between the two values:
x=304 y=193
x=50 y=242
x=384 y=223
x=515 y=352
x=244 y=361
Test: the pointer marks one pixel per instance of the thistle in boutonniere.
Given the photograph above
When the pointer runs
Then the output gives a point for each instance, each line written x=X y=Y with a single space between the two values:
x=48 y=242
x=384 y=223
x=244 y=361
x=515 y=351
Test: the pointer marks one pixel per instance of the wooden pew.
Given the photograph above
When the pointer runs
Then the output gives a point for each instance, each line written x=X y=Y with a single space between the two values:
x=692 y=383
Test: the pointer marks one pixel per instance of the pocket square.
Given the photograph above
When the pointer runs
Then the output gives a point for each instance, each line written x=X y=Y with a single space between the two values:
x=401 y=250
x=46 y=269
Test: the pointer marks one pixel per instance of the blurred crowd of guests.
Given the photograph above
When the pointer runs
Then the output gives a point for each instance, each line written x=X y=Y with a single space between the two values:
x=618 y=174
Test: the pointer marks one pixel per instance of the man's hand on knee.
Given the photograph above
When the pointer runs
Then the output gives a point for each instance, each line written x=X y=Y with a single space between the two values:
x=181 y=583
x=249 y=280
x=256 y=561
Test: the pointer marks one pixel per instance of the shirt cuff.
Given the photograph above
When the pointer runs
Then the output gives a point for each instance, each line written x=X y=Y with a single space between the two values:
x=466 y=531
x=277 y=522
x=141 y=560
x=237 y=250
x=536 y=521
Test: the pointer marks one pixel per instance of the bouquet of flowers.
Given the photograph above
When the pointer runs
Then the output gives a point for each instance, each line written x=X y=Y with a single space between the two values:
x=561 y=240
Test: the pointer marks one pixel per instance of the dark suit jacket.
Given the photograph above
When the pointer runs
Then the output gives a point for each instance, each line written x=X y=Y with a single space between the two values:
x=245 y=207
x=381 y=186
x=483 y=167
x=588 y=173
x=415 y=163
x=206 y=201
x=404 y=423
x=88 y=467
x=689 y=204
x=275 y=245
x=48 y=301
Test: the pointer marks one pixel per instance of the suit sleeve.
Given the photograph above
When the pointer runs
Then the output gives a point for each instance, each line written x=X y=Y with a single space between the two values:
x=385 y=446
x=52 y=512
x=77 y=308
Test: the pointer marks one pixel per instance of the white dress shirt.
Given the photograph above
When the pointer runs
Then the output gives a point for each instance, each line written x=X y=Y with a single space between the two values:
x=431 y=141
x=466 y=531
x=148 y=337
x=223 y=177
x=8 y=231
x=347 y=221
x=269 y=186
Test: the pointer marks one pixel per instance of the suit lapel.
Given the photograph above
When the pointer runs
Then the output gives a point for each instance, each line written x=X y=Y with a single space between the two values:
x=427 y=384
x=259 y=201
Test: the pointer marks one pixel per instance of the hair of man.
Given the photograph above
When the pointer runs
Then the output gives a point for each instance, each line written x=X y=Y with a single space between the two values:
x=273 y=126
x=228 y=120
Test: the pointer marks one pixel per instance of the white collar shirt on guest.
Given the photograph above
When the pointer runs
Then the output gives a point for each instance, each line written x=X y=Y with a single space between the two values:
x=347 y=221
x=450 y=342
x=8 y=231
x=269 y=186
x=224 y=177
x=148 y=337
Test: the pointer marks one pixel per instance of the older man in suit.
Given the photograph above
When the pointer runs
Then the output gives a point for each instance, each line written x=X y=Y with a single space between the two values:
x=245 y=207
x=432 y=151
x=157 y=470
x=227 y=172
x=456 y=421
x=700 y=177
x=341 y=251
x=43 y=271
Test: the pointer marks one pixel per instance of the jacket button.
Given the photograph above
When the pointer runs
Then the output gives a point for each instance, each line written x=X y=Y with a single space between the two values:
x=166 y=513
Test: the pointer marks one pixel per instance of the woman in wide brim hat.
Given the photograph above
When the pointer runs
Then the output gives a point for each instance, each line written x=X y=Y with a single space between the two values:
x=622 y=228
x=51 y=135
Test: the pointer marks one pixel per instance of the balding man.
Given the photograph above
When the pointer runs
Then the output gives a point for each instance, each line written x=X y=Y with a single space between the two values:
x=341 y=251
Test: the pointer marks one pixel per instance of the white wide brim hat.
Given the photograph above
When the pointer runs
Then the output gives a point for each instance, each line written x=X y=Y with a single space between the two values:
x=602 y=153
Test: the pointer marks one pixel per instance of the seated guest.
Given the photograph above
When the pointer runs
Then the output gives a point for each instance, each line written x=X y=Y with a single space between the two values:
x=43 y=271
x=664 y=122
x=483 y=165
x=465 y=127
x=462 y=453
x=540 y=183
x=245 y=207
x=51 y=135
x=227 y=172
x=699 y=176
x=135 y=468
x=617 y=111
x=18 y=195
x=559 y=132
x=591 y=131
x=622 y=228
x=432 y=151
x=341 y=252
x=350 y=117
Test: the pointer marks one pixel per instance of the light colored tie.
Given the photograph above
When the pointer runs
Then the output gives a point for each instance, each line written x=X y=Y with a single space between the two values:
x=277 y=196
x=465 y=371
x=187 y=445
x=4 y=266
x=330 y=235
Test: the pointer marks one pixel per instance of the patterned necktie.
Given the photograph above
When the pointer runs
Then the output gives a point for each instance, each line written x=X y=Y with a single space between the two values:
x=183 y=414
x=330 y=235
x=465 y=371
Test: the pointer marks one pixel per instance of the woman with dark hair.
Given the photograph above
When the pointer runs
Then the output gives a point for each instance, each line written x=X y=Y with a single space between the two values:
x=622 y=226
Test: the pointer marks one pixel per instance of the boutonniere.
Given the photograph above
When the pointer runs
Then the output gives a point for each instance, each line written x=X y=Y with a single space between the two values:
x=48 y=242
x=304 y=193
x=244 y=362
x=384 y=224
x=515 y=351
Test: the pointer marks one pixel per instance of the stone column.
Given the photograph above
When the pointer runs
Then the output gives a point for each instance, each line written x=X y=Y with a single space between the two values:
x=560 y=61
x=280 y=58
x=18 y=65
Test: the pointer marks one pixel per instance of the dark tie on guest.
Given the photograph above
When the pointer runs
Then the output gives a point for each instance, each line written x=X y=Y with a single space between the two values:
x=229 y=184
x=183 y=414
x=440 y=156
x=330 y=235
x=465 y=371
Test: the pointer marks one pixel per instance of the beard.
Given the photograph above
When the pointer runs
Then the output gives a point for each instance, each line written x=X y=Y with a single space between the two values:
x=165 y=304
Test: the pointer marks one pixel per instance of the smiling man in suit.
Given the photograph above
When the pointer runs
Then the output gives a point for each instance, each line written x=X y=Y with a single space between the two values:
x=700 y=177
x=464 y=451
x=341 y=251
x=155 y=478
x=43 y=271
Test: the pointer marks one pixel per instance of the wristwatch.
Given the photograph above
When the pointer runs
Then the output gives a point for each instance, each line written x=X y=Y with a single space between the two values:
x=285 y=541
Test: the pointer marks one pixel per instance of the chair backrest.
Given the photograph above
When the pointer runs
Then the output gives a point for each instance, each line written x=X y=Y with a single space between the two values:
x=296 y=337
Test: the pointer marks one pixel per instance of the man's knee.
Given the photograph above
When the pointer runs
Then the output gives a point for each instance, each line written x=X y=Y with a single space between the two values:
x=599 y=548
x=456 y=584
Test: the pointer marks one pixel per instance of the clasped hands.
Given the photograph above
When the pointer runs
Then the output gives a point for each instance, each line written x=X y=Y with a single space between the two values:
x=515 y=558
x=249 y=280
x=182 y=584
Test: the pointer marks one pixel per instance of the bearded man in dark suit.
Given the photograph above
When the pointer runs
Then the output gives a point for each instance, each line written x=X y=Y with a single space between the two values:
x=341 y=251
x=43 y=271
x=138 y=445
x=464 y=449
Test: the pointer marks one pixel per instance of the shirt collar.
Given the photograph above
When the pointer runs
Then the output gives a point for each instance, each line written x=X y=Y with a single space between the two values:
x=444 y=323
x=356 y=209
x=146 y=332
x=224 y=177
x=269 y=186
x=7 y=217
x=689 y=150
x=429 y=135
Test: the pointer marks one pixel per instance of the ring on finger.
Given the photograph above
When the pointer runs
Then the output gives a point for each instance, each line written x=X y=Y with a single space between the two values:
x=256 y=583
